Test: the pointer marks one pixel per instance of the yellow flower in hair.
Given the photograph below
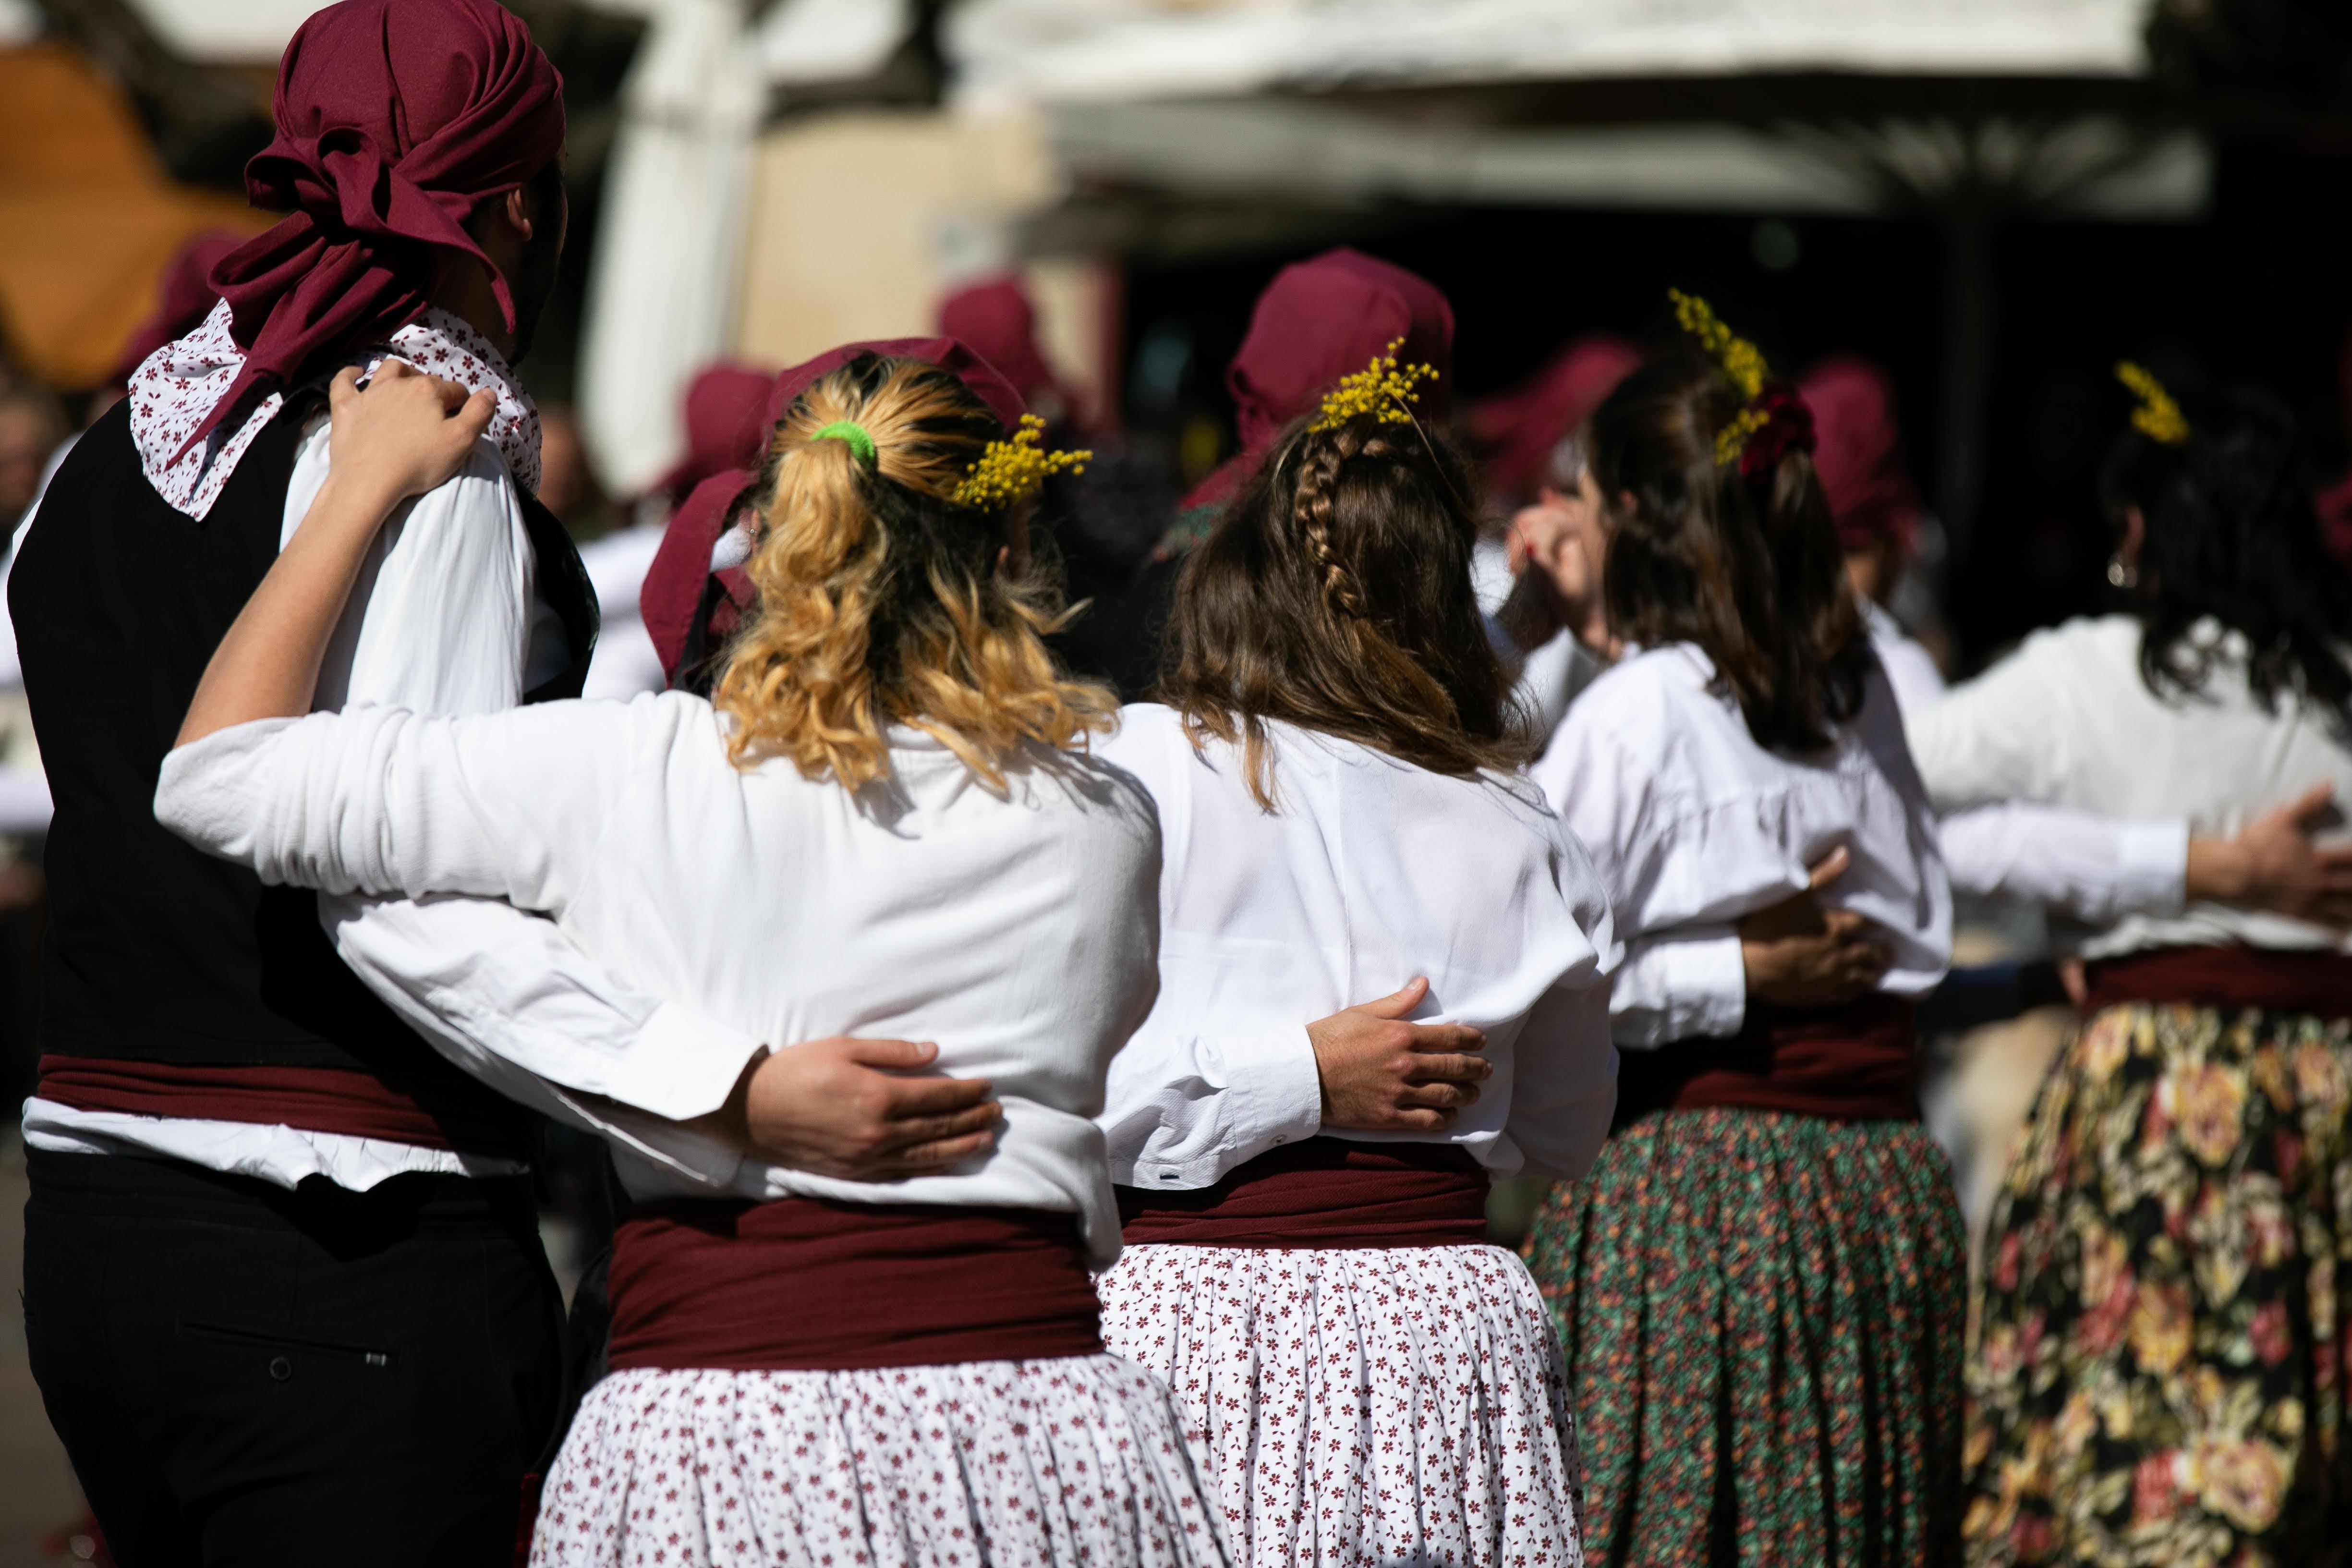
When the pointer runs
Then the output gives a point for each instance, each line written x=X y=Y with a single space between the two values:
x=1742 y=362
x=1008 y=471
x=2158 y=417
x=1380 y=389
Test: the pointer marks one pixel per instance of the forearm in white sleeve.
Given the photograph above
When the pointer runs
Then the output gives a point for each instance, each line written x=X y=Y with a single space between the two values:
x=1180 y=1113
x=446 y=628
x=1563 y=1083
x=2096 y=869
x=1686 y=984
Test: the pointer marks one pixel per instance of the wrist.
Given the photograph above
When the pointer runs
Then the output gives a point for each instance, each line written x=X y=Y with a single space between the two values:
x=2220 y=870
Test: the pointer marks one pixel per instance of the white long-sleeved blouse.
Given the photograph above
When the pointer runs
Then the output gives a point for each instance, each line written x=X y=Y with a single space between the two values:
x=2068 y=720
x=1370 y=872
x=1017 y=931
x=1694 y=824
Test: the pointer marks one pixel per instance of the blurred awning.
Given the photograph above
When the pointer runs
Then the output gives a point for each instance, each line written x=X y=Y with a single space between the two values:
x=2037 y=107
x=88 y=219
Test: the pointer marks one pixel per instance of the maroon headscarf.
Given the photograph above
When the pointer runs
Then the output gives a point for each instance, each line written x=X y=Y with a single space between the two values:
x=1858 y=454
x=1319 y=319
x=1520 y=429
x=726 y=408
x=394 y=119
x=184 y=300
x=998 y=320
x=674 y=584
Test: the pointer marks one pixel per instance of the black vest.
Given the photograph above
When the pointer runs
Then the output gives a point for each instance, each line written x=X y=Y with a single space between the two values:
x=157 y=952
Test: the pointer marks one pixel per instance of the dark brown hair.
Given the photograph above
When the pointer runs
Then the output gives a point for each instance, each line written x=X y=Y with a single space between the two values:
x=1336 y=595
x=1750 y=570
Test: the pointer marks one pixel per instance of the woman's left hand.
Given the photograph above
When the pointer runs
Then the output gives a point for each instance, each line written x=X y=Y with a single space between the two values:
x=404 y=434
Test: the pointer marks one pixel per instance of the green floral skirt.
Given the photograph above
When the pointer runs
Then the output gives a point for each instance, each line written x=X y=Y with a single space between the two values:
x=2158 y=1372
x=1763 y=1318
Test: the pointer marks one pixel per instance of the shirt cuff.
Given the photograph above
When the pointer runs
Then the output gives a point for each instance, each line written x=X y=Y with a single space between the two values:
x=1277 y=1081
x=1680 y=988
x=2152 y=876
x=685 y=1064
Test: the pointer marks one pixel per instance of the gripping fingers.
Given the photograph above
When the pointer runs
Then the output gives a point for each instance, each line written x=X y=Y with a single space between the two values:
x=1438 y=1096
x=1459 y=1070
x=927 y=1158
x=917 y=1130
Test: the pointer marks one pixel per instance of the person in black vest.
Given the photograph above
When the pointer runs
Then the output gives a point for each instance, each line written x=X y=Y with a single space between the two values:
x=284 y=1291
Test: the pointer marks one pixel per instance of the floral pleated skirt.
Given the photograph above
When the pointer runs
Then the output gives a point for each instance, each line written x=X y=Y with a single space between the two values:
x=1360 y=1408
x=2159 y=1369
x=997 y=1463
x=1763 y=1316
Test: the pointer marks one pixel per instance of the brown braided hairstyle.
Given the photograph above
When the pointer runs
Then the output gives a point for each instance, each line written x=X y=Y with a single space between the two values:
x=1336 y=595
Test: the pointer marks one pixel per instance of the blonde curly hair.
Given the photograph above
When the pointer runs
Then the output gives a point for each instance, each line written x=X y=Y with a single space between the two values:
x=881 y=602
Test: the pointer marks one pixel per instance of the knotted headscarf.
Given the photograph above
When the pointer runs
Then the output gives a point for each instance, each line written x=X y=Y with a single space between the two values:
x=395 y=118
x=1319 y=319
x=1858 y=454
x=674 y=590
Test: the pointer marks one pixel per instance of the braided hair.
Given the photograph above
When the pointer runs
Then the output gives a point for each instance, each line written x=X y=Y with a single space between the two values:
x=1336 y=595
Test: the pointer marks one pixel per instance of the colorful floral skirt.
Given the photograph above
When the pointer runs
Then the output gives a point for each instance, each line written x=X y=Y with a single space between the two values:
x=996 y=1462
x=1763 y=1316
x=2158 y=1371
x=1362 y=1408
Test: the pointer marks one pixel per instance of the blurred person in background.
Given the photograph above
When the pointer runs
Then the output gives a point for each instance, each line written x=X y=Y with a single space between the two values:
x=284 y=1294
x=32 y=427
x=1537 y=473
x=1761 y=1286
x=2159 y=1368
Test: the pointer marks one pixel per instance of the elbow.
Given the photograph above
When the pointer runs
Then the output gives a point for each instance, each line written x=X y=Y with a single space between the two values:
x=197 y=800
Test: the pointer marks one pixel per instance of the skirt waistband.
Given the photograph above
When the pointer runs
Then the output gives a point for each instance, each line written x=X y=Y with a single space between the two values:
x=1323 y=1193
x=314 y=1099
x=813 y=1285
x=1853 y=1063
x=2315 y=984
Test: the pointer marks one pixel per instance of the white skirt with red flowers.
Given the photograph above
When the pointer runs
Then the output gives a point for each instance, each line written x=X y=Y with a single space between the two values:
x=1006 y=1462
x=1363 y=1406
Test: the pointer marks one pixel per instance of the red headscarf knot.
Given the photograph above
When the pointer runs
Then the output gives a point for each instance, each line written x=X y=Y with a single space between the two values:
x=394 y=119
x=1788 y=428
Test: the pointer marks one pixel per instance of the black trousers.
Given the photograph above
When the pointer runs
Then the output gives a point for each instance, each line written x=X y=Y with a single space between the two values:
x=247 y=1376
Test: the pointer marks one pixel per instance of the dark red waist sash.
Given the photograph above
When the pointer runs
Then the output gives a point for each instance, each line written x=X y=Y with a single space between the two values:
x=1323 y=1193
x=316 y=1099
x=812 y=1285
x=2315 y=984
x=1854 y=1063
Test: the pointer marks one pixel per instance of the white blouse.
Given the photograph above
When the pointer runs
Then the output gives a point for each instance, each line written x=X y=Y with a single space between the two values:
x=2068 y=720
x=1694 y=824
x=1370 y=872
x=1015 y=932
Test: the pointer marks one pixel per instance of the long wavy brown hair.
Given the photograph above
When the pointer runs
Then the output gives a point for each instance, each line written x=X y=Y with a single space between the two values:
x=1336 y=595
x=1750 y=570
x=882 y=602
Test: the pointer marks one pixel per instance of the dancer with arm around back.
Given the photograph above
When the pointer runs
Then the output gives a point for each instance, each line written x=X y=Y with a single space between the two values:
x=1760 y=1286
x=881 y=817
x=1305 y=1264
x=2159 y=1369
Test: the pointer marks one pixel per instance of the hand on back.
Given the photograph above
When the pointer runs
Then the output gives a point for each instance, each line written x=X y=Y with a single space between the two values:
x=404 y=434
x=865 y=1110
x=2275 y=864
x=1383 y=1074
x=1798 y=953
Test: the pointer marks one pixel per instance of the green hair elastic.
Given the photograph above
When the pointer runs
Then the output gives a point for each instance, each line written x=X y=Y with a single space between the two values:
x=852 y=434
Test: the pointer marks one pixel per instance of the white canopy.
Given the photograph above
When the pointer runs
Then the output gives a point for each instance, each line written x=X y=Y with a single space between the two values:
x=1096 y=49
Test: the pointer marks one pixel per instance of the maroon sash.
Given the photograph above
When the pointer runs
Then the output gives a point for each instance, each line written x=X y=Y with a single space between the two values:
x=1323 y=1193
x=1854 y=1063
x=2314 y=985
x=810 y=1284
x=316 y=1099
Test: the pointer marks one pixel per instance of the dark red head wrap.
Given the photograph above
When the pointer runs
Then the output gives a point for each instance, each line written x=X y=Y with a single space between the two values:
x=394 y=119
x=1319 y=319
x=1520 y=429
x=672 y=590
x=726 y=413
x=997 y=320
x=1858 y=454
